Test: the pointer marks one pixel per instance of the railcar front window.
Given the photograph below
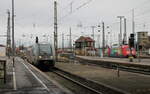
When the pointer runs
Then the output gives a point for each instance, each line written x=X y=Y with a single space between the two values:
x=45 y=50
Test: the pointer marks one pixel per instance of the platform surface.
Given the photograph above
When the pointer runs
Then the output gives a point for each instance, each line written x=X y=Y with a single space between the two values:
x=27 y=79
x=133 y=83
x=145 y=62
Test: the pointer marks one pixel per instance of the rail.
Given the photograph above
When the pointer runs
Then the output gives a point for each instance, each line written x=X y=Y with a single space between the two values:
x=134 y=68
x=96 y=88
x=3 y=70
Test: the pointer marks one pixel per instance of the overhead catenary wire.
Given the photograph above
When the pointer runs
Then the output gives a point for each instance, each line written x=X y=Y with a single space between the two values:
x=91 y=0
x=76 y=9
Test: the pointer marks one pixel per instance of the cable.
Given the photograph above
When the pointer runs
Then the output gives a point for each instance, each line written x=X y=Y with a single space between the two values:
x=76 y=9
x=63 y=8
x=143 y=12
x=146 y=2
x=84 y=4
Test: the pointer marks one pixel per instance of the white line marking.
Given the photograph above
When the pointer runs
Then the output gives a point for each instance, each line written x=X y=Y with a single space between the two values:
x=36 y=77
x=14 y=79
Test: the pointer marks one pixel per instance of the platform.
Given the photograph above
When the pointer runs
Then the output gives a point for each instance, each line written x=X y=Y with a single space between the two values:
x=144 y=63
x=133 y=83
x=27 y=79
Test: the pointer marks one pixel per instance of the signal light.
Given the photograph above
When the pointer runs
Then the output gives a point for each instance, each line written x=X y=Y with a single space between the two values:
x=131 y=40
x=36 y=40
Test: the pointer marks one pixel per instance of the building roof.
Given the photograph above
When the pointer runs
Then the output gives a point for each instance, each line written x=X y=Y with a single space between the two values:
x=142 y=32
x=1 y=45
x=83 y=39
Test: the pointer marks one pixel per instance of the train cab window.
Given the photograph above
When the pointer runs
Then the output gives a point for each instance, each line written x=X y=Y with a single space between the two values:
x=45 y=49
x=33 y=51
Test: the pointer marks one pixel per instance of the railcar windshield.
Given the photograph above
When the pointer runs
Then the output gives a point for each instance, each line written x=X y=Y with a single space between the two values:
x=45 y=49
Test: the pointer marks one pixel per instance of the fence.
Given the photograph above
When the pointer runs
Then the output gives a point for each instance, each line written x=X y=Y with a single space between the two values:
x=3 y=70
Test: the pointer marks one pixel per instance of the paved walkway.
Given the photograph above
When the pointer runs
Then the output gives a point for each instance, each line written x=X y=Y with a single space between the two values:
x=26 y=79
x=118 y=60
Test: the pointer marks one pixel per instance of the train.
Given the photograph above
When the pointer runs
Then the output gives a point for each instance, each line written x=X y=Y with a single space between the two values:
x=41 y=55
x=121 y=51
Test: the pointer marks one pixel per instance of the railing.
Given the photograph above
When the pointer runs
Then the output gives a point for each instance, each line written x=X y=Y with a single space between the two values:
x=3 y=70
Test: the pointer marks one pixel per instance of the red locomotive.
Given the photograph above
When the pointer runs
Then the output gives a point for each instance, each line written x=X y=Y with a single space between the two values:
x=121 y=51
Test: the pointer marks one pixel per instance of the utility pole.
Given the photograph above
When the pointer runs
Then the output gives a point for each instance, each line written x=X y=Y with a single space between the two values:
x=93 y=27
x=55 y=31
x=70 y=40
x=98 y=39
x=133 y=26
x=13 y=41
x=120 y=35
x=8 y=36
x=103 y=38
x=125 y=32
x=133 y=23
x=63 y=41
x=71 y=7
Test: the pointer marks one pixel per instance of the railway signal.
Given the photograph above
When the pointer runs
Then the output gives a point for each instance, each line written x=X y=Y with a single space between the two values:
x=131 y=44
x=36 y=40
x=131 y=40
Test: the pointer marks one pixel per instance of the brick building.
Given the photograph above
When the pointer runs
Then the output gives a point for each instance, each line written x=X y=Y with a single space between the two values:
x=85 y=46
x=144 y=40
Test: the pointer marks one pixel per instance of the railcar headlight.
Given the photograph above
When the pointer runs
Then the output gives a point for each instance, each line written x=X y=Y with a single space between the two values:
x=40 y=56
x=51 y=57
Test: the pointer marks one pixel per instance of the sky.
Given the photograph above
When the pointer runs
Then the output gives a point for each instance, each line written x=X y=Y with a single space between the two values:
x=36 y=17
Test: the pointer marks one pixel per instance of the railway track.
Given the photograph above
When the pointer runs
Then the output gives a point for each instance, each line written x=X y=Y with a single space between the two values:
x=119 y=67
x=92 y=86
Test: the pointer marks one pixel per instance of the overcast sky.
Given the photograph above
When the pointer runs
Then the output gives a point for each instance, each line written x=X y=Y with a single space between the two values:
x=35 y=17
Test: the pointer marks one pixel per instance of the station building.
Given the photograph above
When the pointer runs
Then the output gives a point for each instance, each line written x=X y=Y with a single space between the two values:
x=144 y=40
x=85 y=46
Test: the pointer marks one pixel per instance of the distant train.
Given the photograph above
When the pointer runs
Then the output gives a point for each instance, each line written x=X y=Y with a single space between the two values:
x=41 y=55
x=121 y=51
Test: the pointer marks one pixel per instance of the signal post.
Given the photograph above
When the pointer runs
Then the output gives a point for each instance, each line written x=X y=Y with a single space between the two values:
x=131 y=45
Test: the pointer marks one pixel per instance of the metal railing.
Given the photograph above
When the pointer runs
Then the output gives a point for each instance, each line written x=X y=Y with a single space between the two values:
x=3 y=70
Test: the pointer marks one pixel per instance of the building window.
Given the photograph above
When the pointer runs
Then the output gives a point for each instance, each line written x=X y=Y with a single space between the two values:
x=143 y=35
